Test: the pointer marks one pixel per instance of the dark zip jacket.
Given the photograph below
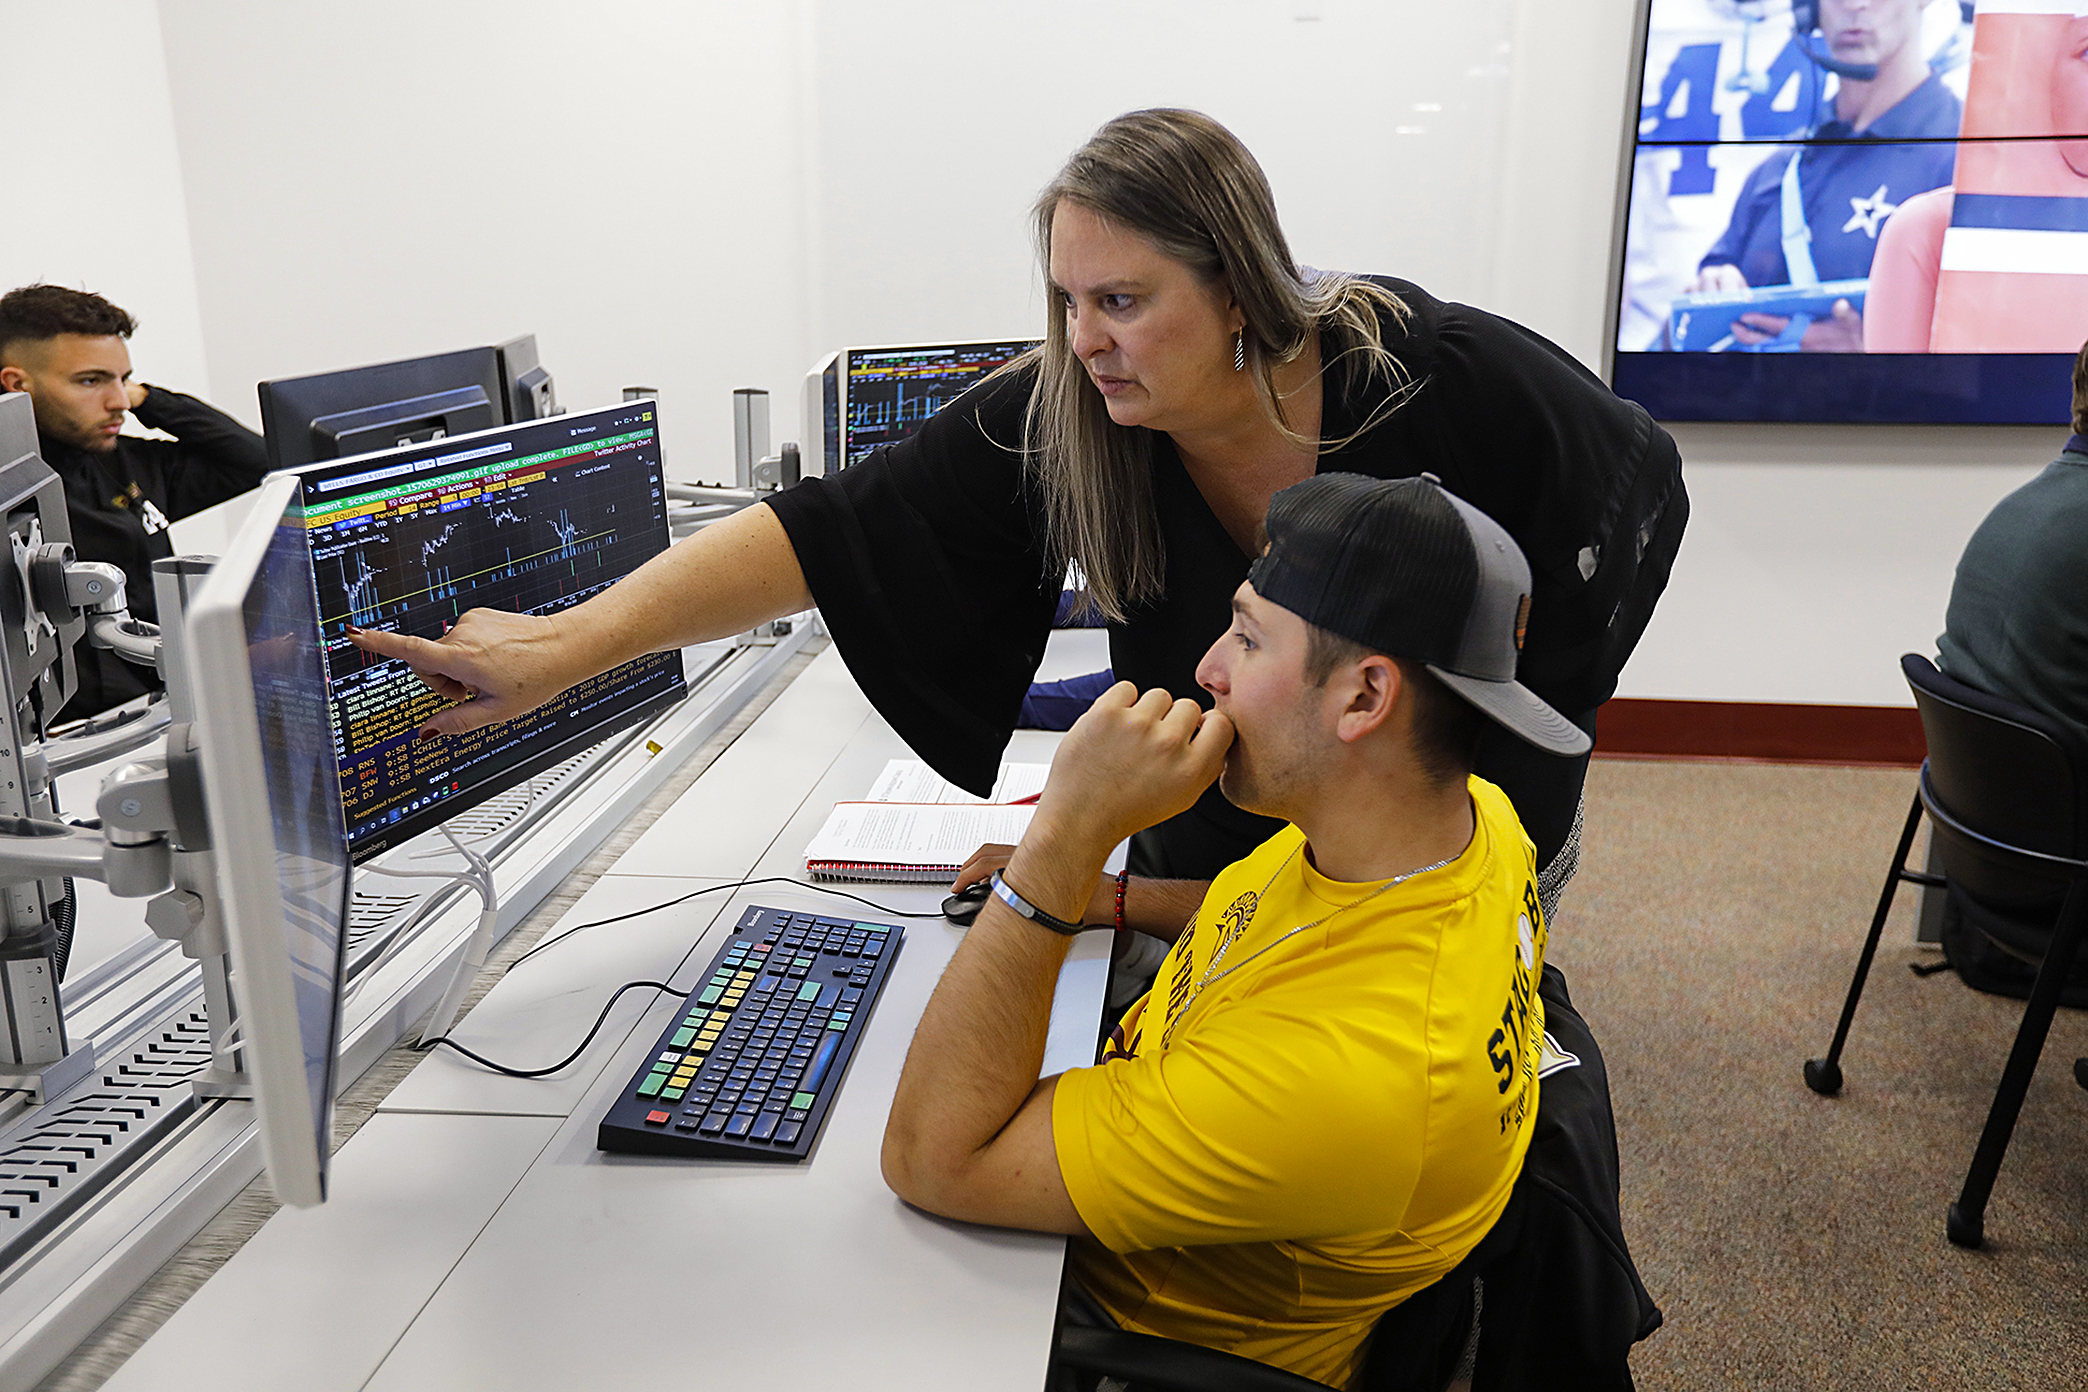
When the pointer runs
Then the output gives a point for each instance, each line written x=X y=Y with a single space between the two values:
x=121 y=502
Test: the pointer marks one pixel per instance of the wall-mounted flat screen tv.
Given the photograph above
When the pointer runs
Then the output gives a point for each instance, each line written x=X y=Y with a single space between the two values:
x=1856 y=210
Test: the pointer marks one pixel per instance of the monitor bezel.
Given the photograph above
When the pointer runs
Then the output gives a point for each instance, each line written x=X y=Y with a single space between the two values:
x=290 y=1120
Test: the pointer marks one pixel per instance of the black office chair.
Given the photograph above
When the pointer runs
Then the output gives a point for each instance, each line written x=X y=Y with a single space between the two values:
x=2004 y=790
x=1559 y=1302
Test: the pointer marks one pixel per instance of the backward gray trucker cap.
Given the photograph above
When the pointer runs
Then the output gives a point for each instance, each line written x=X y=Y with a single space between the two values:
x=1408 y=568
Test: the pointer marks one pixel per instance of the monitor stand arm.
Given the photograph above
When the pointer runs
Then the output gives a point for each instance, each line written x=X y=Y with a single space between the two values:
x=132 y=851
x=151 y=841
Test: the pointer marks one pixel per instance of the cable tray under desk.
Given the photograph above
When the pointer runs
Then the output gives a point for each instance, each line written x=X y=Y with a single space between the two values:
x=68 y=1151
x=59 y=1156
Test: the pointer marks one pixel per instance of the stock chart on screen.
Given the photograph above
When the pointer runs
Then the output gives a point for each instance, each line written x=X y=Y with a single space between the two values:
x=893 y=391
x=533 y=518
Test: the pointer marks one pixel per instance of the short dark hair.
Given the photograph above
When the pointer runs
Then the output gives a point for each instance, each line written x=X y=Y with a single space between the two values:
x=1447 y=728
x=35 y=313
x=2080 y=401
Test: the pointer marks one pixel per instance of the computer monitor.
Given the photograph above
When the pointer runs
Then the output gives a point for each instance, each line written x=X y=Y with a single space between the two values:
x=859 y=398
x=529 y=394
x=335 y=415
x=534 y=517
x=276 y=832
x=36 y=678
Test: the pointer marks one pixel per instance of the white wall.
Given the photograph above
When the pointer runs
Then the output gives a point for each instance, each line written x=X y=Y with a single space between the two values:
x=90 y=184
x=397 y=177
x=703 y=195
x=1473 y=148
x=939 y=122
x=1816 y=556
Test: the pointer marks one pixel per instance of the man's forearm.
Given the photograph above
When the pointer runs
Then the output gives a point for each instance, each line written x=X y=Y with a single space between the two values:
x=1162 y=908
x=212 y=457
x=971 y=1132
x=200 y=426
x=975 y=1057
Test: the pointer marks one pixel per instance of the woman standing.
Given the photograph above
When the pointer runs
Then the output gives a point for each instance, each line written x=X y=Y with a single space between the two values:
x=1190 y=369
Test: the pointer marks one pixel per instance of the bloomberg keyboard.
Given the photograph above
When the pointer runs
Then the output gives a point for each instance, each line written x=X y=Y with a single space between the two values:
x=752 y=1062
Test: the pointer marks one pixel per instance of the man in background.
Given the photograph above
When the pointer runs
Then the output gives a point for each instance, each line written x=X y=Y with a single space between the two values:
x=67 y=349
x=2017 y=628
x=2017 y=625
x=1812 y=213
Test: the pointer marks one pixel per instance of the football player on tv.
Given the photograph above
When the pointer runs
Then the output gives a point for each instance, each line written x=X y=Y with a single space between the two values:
x=1812 y=213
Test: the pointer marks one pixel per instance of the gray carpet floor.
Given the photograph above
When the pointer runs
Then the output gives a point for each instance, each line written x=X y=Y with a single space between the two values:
x=1796 y=1241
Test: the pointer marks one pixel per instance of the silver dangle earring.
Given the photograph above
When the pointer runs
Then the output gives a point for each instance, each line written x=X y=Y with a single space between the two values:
x=1240 y=351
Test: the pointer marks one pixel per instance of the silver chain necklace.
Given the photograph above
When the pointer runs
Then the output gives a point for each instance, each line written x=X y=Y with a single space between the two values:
x=1211 y=972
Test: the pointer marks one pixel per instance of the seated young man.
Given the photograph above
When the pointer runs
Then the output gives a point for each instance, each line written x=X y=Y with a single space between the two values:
x=1323 y=1103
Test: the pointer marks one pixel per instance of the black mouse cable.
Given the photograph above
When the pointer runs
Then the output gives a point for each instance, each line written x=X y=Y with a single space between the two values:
x=715 y=889
x=481 y=1059
x=578 y=1050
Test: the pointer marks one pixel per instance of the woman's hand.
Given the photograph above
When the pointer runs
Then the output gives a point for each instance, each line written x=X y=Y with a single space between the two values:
x=494 y=664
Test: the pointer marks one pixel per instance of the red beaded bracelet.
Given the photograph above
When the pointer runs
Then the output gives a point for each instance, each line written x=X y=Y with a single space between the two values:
x=1123 y=878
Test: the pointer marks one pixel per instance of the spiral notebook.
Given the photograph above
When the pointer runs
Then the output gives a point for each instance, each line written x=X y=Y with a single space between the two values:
x=909 y=840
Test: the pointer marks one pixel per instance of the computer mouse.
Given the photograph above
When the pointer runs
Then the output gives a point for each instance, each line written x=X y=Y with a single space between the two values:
x=964 y=907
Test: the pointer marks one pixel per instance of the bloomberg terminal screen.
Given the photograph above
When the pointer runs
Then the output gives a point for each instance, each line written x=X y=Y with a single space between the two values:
x=535 y=518
x=893 y=391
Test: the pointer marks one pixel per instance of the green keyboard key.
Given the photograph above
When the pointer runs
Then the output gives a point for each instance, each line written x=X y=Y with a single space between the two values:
x=802 y=1101
x=672 y=1094
x=651 y=1086
x=710 y=994
x=682 y=1037
x=809 y=991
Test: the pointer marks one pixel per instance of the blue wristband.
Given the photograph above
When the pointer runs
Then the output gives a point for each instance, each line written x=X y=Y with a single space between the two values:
x=1030 y=911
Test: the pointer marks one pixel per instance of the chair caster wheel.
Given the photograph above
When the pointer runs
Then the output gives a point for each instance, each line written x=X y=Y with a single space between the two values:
x=1823 y=1077
x=1966 y=1229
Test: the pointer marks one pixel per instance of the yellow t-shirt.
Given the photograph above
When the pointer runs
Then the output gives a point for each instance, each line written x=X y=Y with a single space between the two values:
x=1281 y=1145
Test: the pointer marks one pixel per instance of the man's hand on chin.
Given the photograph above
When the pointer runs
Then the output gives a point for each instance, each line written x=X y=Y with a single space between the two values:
x=1131 y=761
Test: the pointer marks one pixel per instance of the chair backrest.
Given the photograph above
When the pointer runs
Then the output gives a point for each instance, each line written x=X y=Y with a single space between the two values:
x=2001 y=780
x=1562 y=1302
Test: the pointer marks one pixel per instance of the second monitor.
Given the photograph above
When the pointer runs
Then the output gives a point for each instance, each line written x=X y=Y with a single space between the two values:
x=860 y=398
x=533 y=518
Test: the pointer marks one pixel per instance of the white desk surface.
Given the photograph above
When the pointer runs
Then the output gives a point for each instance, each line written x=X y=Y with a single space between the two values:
x=475 y=1237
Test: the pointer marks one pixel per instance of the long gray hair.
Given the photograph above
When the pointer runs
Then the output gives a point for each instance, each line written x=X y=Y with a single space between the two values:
x=1187 y=185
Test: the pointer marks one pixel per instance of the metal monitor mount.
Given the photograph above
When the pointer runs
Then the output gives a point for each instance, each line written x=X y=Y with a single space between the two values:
x=150 y=838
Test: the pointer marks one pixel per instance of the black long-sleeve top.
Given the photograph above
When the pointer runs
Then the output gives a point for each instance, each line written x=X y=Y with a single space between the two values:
x=927 y=559
x=121 y=501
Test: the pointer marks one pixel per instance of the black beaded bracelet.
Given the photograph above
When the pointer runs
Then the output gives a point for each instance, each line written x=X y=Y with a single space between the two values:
x=1008 y=896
